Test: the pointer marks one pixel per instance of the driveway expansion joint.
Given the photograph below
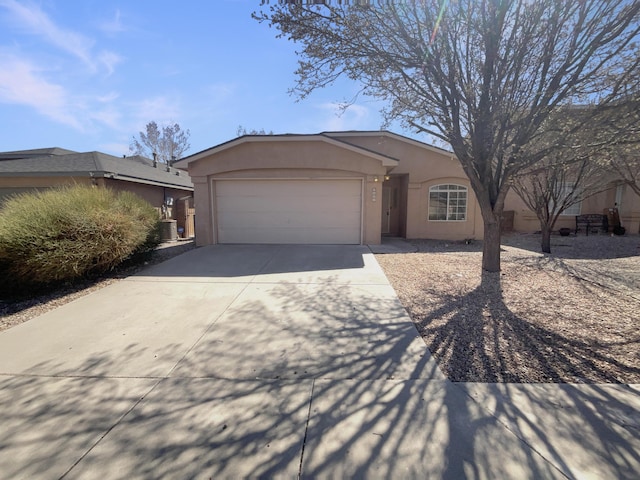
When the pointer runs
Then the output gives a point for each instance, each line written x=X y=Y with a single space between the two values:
x=306 y=429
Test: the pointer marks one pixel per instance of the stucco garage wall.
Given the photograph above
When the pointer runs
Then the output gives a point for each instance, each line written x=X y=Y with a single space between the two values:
x=290 y=158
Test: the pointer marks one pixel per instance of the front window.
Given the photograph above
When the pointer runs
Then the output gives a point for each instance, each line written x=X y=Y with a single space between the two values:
x=448 y=202
x=566 y=191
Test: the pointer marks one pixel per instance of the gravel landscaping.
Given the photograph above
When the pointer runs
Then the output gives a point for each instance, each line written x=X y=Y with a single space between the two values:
x=572 y=316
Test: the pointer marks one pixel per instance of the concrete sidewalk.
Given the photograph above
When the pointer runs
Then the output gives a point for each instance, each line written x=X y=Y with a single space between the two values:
x=279 y=361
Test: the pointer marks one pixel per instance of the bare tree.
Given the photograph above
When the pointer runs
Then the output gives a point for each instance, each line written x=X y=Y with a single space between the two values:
x=555 y=185
x=572 y=169
x=243 y=131
x=480 y=75
x=169 y=143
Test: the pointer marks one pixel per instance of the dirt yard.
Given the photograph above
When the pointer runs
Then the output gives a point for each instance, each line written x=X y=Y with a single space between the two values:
x=572 y=316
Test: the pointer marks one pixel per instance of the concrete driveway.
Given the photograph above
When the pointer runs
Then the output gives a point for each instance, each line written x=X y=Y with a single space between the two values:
x=279 y=361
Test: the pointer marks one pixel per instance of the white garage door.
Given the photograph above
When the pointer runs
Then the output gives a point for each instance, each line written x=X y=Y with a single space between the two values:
x=289 y=211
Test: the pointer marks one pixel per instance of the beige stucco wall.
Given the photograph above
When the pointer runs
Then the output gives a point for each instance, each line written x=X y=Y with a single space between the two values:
x=630 y=210
x=286 y=159
x=153 y=194
x=525 y=220
x=41 y=182
x=426 y=167
x=420 y=167
x=12 y=185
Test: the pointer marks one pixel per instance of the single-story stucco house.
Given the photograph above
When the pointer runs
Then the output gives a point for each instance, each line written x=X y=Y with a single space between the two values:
x=168 y=189
x=341 y=188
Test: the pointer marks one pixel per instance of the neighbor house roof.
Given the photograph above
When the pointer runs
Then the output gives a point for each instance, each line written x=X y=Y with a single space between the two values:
x=60 y=162
x=386 y=160
x=36 y=152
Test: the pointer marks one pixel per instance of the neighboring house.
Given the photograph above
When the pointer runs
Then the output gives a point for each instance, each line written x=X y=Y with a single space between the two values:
x=617 y=195
x=349 y=188
x=167 y=189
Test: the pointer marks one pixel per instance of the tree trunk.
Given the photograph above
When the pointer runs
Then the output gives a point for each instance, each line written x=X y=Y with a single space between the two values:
x=491 y=245
x=546 y=239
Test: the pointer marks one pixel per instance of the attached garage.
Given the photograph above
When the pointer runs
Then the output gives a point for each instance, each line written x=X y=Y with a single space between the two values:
x=288 y=189
x=313 y=211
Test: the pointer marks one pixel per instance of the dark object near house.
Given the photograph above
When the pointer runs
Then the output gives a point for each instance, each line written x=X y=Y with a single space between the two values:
x=506 y=222
x=619 y=230
x=615 y=226
x=168 y=230
x=592 y=222
x=564 y=232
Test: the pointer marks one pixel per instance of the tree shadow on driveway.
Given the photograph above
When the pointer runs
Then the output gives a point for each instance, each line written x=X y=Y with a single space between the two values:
x=327 y=380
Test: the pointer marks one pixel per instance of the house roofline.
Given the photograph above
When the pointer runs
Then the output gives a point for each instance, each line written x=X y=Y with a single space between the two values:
x=144 y=181
x=397 y=136
x=183 y=163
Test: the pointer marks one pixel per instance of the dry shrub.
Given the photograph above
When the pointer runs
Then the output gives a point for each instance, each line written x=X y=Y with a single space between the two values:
x=63 y=234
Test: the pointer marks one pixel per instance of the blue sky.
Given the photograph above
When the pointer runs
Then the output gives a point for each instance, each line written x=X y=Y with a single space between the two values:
x=89 y=74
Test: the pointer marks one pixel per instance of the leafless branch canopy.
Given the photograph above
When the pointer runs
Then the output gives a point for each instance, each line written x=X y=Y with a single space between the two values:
x=481 y=75
x=169 y=143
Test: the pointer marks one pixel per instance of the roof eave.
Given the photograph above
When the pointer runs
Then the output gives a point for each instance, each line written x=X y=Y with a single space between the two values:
x=145 y=181
x=402 y=138
x=183 y=164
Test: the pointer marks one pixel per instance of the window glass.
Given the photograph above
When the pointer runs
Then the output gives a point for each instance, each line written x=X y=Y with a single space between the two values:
x=573 y=209
x=448 y=203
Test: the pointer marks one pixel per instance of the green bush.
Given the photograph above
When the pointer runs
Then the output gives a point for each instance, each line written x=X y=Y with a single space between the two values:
x=63 y=234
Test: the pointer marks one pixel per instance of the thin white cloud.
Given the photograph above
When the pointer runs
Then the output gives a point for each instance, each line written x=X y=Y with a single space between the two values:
x=109 y=116
x=21 y=83
x=160 y=109
x=221 y=91
x=352 y=117
x=32 y=19
x=117 y=149
x=108 y=98
x=109 y=60
x=113 y=26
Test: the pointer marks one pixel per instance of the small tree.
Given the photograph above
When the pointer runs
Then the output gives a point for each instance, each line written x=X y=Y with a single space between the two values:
x=571 y=169
x=169 y=143
x=555 y=185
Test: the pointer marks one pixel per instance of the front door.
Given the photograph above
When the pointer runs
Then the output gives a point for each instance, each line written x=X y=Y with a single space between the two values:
x=386 y=210
x=390 y=210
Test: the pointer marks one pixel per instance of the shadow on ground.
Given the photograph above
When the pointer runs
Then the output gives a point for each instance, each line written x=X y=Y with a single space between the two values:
x=496 y=345
x=315 y=406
